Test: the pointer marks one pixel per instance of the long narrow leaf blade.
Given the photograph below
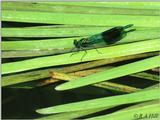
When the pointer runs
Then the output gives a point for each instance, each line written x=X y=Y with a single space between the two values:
x=80 y=19
x=72 y=115
x=103 y=102
x=120 y=71
x=107 y=52
x=51 y=31
x=43 y=7
x=59 y=44
x=133 y=5
x=44 y=73
x=150 y=110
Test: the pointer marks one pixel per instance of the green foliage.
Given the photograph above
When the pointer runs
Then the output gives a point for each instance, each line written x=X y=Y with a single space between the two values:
x=76 y=19
x=129 y=114
x=107 y=52
x=103 y=102
x=38 y=38
x=120 y=71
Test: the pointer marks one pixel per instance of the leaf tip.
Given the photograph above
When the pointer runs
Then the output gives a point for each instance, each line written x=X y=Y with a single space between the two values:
x=40 y=111
x=65 y=86
x=45 y=111
x=60 y=87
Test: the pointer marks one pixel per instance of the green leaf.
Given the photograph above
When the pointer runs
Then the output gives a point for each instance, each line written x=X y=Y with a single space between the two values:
x=44 y=73
x=29 y=53
x=80 y=19
x=63 y=43
x=51 y=31
x=47 y=44
x=72 y=115
x=120 y=71
x=140 y=96
x=80 y=8
x=107 y=52
x=133 y=5
x=145 y=75
x=145 y=112
x=141 y=104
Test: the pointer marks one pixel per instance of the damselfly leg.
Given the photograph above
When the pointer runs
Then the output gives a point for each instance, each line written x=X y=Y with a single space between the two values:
x=96 y=49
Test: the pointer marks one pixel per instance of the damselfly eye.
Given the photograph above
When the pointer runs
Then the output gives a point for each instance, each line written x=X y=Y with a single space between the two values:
x=75 y=42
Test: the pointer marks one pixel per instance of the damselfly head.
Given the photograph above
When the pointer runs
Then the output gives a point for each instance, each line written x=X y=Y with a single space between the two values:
x=75 y=43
